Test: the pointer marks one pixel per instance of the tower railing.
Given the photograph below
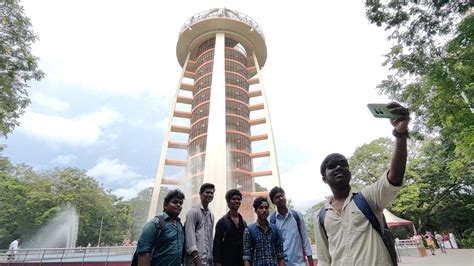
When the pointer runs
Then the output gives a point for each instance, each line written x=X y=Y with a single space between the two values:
x=222 y=13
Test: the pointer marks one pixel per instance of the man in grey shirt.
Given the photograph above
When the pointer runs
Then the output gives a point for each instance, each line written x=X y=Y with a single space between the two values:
x=198 y=229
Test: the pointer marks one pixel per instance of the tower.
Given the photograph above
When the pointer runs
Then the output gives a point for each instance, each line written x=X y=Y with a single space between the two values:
x=221 y=52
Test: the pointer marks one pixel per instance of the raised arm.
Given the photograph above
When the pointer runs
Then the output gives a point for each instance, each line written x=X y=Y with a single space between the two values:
x=400 y=131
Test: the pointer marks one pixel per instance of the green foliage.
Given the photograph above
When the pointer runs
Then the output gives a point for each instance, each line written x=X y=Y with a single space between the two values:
x=468 y=241
x=139 y=212
x=432 y=65
x=310 y=220
x=30 y=199
x=369 y=161
x=18 y=65
x=433 y=74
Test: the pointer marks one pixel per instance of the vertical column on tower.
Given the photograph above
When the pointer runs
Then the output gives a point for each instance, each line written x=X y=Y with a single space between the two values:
x=215 y=167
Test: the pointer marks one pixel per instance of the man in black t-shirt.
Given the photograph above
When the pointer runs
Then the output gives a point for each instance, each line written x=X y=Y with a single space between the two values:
x=228 y=245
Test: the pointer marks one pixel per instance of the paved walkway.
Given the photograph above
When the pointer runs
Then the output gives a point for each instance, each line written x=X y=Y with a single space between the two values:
x=455 y=257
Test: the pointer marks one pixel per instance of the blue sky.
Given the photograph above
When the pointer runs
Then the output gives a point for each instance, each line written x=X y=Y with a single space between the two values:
x=111 y=70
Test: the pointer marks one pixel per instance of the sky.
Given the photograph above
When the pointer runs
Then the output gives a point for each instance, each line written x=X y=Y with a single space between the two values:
x=111 y=72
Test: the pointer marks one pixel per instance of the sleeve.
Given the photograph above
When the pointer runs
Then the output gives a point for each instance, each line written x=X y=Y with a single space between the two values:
x=322 y=243
x=280 y=253
x=248 y=248
x=218 y=241
x=381 y=193
x=304 y=236
x=147 y=238
x=190 y=231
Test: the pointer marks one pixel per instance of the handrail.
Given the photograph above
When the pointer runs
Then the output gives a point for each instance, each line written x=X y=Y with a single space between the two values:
x=62 y=255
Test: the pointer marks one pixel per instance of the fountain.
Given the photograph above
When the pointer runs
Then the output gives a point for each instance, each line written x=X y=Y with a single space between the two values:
x=60 y=232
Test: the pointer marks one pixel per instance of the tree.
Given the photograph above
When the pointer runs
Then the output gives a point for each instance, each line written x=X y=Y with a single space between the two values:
x=31 y=199
x=140 y=205
x=433 y=70
x=369 y=161
x=310 y=219
x=17 y=64
x=433 y=73
x=436 y=192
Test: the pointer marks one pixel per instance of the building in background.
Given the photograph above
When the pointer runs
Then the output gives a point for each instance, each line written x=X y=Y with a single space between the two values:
x=221 y=52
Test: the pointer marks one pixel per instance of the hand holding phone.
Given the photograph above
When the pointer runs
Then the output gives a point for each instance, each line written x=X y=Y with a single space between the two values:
x=380 y=110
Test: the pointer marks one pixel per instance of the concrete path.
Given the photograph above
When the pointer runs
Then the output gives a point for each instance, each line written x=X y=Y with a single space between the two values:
x=455 y=257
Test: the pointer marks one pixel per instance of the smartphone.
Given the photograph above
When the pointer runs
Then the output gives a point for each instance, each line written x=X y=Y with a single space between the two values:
x=380 y=110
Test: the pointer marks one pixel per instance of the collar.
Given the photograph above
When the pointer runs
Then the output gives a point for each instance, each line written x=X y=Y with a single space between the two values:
x=258 y=224
x=228 y=215
x=167 y=217
x=328 y=206
x=278 y=214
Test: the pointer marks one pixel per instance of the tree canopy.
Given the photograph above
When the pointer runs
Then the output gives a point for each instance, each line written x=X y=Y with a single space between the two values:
x=30 y=199
x=17 y=63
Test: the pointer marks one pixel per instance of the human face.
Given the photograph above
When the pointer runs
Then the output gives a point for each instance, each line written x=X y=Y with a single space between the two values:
x=174 y=207
x=234 y=203
x=337 y=171
x=207 y=195
x=262 y=211
x=279 y=199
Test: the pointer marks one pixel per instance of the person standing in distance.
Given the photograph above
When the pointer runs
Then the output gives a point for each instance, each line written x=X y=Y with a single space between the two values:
x=228 y=240
x=12 y=249
x=198 y=229
x=161 y=241
x=291 y=225
x=346 y=237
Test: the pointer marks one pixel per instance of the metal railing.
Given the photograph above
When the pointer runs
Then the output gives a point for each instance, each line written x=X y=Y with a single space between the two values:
x=60 y=255
x=408 y=243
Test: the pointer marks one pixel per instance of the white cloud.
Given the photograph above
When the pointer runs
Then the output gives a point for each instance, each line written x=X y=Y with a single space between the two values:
x=303 y=184
x=109 y=171
x=130 y=192
x=48 y=102
x=119 y=177
x=64 y=159
x=84 y=130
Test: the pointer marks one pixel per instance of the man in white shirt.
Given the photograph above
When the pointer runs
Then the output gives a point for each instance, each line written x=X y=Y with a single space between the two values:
x=13 y=248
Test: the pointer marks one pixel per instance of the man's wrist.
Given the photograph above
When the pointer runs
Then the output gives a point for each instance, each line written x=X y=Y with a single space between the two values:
x=400 y=135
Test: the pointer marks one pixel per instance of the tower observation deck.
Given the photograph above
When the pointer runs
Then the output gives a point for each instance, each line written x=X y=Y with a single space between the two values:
x=221 y=52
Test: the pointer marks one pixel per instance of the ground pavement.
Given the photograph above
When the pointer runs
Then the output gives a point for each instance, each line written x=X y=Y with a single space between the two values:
x=455 y=257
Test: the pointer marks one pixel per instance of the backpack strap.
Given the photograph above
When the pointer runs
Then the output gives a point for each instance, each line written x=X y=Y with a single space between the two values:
x=321 y=217
x=364 y=207
x=253 y=233
x=274 y=229
x=161 y=226
x=298 y=220
x=273 y=218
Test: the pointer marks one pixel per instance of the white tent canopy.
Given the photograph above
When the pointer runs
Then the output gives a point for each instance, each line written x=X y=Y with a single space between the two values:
x=393 y=220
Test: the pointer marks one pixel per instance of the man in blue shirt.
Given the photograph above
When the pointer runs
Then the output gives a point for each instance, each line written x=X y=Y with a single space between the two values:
x=263 y=245
x=162 y=243
x=290 y=224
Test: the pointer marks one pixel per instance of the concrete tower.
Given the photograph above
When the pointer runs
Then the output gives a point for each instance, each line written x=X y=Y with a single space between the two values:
x=221 y=52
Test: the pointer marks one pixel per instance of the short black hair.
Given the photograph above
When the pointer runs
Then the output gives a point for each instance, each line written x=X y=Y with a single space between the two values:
x=328 y=159
x=274 y=191
x=171 y=195
x=206 y=186
x=258 y=201
x=231 y=193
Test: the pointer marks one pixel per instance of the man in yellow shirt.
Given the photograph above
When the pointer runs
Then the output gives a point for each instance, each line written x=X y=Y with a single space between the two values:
x=346 y=236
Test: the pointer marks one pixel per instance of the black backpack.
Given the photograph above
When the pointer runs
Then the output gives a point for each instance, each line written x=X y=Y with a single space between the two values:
x=364 y=207
x=161 y=226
